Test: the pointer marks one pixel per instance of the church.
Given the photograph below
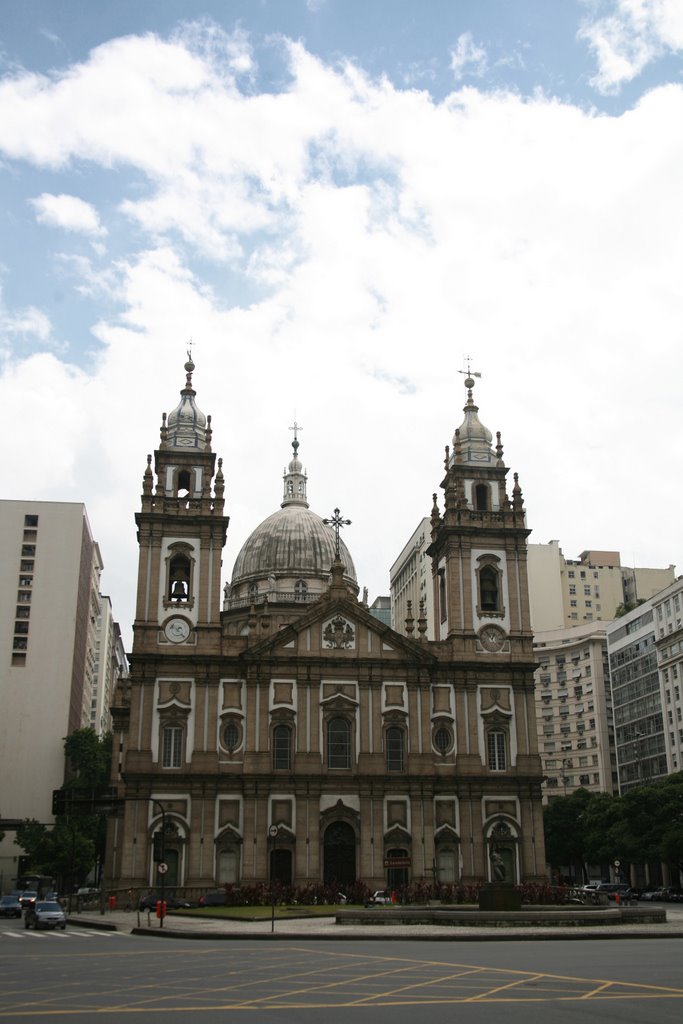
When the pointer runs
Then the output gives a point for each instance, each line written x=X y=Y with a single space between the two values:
x=274 y=729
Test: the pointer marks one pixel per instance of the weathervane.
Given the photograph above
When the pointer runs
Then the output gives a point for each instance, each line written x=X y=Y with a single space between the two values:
x=468 y=373
x=336 y=522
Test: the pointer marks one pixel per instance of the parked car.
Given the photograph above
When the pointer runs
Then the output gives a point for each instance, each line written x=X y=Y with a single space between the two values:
x=378 y=898
x=612 y=888
x=10 y=907
x=44 y=914
x=217 y=898
x=28 y=898
x=661 y=893
x=149 y=902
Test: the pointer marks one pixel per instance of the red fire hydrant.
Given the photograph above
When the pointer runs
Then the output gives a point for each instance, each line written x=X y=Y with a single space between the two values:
x=161 y=908
x=112 y=902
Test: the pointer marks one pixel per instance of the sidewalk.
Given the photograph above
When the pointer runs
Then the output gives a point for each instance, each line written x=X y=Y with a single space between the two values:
x=327 y=928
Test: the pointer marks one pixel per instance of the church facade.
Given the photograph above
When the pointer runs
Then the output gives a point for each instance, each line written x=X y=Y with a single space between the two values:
x=275 y=729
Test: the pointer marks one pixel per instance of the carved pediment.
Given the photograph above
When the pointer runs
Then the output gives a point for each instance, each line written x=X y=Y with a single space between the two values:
x=339 y=633
x=340 y=812
x=397 y=836
x=340 y=703
x=446 y=834
x=228 y=837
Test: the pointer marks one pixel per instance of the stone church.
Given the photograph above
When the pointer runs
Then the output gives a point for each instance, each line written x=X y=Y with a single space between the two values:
x=274 y=729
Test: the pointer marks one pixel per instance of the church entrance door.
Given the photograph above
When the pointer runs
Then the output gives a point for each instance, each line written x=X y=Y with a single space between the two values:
x=339 y=854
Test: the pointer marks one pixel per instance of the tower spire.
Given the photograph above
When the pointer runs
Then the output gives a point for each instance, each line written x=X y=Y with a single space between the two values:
x=294 y=492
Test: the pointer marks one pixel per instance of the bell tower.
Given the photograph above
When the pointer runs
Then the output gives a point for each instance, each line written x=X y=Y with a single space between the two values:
x=478 y=547
x=181 y=533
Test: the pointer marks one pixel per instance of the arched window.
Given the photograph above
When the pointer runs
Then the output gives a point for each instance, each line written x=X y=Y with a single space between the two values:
x=184 y=482
x=443 y=739
x=481 y=497
x=488 y=588
x=282 y=747
x=496 y=750
x=232 y=735
x=395 y=750
x=253 y=591
x=171 y=746
x=338 y=743
x=443 y=610
x=300 y=590
x=179 y=579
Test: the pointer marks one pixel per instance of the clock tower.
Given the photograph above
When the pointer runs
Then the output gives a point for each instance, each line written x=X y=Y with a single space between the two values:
x=181 y=534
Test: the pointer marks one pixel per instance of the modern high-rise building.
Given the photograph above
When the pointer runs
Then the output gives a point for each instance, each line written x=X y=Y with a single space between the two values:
x=646 y=667
x=565 y=592
x=49 y=609
x=574 y=710
x=277 y=730
x=410 y=583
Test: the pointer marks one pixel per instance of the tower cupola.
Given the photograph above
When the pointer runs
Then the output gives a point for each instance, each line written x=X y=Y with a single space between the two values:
x=472 y=437
x=294 y=477
x=186 y=427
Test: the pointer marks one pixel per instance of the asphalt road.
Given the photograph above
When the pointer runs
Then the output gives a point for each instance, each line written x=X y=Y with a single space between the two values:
x=84 y=975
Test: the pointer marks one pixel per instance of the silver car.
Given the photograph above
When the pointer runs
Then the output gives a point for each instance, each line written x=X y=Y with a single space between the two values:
x=44 y=914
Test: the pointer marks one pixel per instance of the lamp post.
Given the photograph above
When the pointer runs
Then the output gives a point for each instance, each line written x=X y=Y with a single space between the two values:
x=272 y=832
x=162 y=866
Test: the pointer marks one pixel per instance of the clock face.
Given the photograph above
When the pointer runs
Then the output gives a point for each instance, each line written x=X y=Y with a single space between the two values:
x=177 y=630
x=492 y=638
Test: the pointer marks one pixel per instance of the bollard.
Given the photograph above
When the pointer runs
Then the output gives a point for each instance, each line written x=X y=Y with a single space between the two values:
x=161 y=909
x=112 y=902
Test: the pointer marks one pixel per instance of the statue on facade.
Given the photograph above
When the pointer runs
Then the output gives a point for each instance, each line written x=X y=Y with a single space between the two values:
x=498 y=866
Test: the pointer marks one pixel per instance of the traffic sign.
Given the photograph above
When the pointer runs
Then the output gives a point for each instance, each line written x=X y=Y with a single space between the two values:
x=162 y=868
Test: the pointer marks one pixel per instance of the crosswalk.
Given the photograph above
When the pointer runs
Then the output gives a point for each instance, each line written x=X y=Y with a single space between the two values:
x=60 y=936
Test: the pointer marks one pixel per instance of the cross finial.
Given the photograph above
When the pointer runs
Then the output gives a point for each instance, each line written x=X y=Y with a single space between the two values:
x=296 y=428
x=336 y=522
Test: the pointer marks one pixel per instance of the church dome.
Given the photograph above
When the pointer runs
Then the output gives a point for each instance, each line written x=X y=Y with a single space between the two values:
x=292 y=551
x=291 y=543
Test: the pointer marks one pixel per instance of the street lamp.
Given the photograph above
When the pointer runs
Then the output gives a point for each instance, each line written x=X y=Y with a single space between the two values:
x=273 y=833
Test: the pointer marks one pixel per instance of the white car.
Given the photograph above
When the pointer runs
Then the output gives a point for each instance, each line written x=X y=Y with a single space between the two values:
x=381 y=896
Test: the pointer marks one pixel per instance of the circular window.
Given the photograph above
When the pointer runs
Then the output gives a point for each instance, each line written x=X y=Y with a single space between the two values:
x=443 y=739
x=231 y=736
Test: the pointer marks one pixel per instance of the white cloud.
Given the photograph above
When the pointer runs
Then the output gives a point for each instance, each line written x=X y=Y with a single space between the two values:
x=27 y=323
x=69 y=213
x=467 y=58
x=631 y=35
x=356 y=240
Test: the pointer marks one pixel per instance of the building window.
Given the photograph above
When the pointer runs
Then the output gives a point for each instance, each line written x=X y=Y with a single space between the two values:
x=171 y=746
x=496 y=750
x=443 y=739
x=395 y=749
x=300 y=590
x=232 y=734
x=282 y=747
x=481 y=498
x=30 y=520
x=338 y=743
x=442 y=594
x=179 y=579
x=488 y=584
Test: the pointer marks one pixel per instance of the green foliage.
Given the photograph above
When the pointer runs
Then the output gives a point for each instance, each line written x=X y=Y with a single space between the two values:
x=643 y=826
x=89 y=759
x=625 y=607
x=62 y=851
x=70 y=848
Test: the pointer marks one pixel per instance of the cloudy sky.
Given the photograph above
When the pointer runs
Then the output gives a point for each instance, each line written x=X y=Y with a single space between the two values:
x=339 y=201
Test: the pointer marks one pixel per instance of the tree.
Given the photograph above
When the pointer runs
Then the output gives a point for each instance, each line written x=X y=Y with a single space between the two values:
x=563 y=821
x=74 y=845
